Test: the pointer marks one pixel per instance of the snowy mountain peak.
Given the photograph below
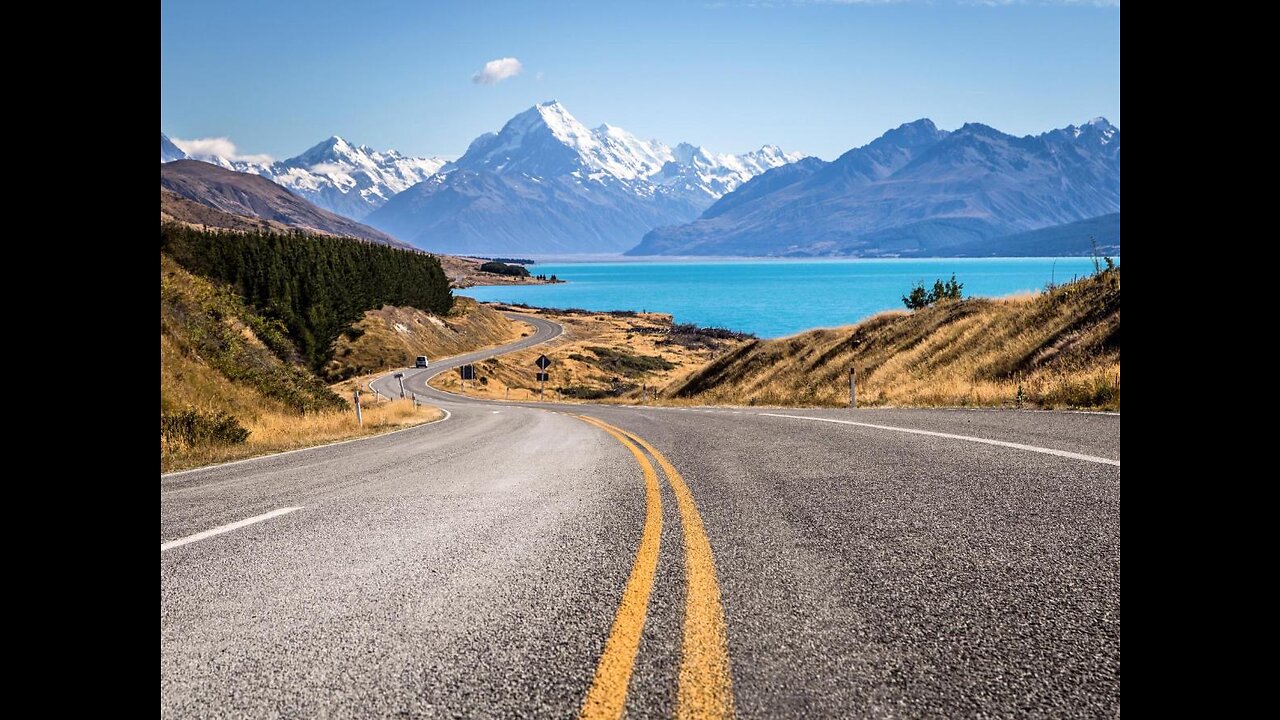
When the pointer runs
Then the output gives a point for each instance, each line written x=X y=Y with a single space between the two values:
x=351 y=180
x=1099 y=130
x=547 y=140
x=328 y=150
x=168 y=151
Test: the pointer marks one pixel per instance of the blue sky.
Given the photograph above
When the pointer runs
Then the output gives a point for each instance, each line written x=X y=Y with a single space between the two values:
x=816 y=76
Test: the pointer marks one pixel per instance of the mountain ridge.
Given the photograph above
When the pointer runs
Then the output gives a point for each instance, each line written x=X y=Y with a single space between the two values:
x=916 y=190
x=546 y=183
x=334 y=174
x=253 y=196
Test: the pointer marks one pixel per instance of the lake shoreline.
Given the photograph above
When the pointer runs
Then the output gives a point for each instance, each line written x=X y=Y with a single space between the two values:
x=775 y=298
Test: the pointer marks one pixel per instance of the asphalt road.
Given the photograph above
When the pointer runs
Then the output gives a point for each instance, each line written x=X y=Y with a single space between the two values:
x=514 y=560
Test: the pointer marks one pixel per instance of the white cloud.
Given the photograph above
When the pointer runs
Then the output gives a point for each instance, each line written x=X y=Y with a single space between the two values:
x=330 y=168
x=217 y=147
x=495 y=71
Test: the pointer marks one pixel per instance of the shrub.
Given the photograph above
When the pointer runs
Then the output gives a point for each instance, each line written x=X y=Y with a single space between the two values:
x=192 y=428
x=919 y=298
x=628 y=363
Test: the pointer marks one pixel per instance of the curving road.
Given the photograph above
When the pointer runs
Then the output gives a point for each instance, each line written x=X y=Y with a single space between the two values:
x=516 y=560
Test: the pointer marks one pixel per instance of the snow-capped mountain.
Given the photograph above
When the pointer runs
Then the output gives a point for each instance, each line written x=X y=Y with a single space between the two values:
x=168 y=151
x=546 y=140
x=338 y=176
x=916 y=190
x=547 y=183
x=695 y=170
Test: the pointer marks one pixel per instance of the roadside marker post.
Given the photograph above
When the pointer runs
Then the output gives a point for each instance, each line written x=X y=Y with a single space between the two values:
x=400 y=376
x=359 y=415
x=853 y=390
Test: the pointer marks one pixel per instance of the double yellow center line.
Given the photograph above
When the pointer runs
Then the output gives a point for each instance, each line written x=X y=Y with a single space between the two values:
x=705 y=688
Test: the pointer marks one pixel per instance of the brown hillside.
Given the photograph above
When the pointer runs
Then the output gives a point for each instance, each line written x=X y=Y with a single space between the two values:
x=218 y=359
x=393 y=336
x=175 y=208
x=1056 y=349
x=255 y=196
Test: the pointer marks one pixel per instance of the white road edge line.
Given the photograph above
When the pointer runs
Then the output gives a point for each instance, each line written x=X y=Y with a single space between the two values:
x=967 y=438
x=225 y=528
x=419 y=426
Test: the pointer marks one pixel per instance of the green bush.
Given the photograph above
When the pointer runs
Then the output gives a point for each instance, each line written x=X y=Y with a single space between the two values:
x=626 y=363
x=919 y=298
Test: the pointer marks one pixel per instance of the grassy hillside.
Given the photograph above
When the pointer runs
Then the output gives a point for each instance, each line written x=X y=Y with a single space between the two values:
x=315 y=286
x=606 y=356
x=1057 y=349
x=176 y=209
x=217 y=354
x=226 y=371
x=393 y=336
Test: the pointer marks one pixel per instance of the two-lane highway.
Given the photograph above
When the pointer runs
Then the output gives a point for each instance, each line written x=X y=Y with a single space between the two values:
x=527 y=559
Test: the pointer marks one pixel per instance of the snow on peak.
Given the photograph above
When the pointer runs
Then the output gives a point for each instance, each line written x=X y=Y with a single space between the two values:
x=547 y=140
x=168 y=151
x=347 y=179
x=1098 y=130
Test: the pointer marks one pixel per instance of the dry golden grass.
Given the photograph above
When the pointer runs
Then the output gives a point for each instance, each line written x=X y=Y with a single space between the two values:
x=393 y=337
x=1059 y=349
x=206 y=339
x=577 y=371
x=273 y=431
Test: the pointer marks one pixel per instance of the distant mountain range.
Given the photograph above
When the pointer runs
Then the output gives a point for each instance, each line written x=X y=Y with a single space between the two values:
x=1071 y=239
x=186 y=186
x=547 y=184
x=915 y=191
x=337 y=176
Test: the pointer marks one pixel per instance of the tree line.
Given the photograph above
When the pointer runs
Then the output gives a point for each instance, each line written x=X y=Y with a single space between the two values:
x=501 y=268
x=316 y=285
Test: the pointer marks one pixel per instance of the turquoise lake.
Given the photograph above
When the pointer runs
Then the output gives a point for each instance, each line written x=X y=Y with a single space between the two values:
x=772 y=298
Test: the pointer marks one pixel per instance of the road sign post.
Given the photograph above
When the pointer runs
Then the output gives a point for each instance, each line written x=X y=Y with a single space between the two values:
x=543 y=362
x=359 y=415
